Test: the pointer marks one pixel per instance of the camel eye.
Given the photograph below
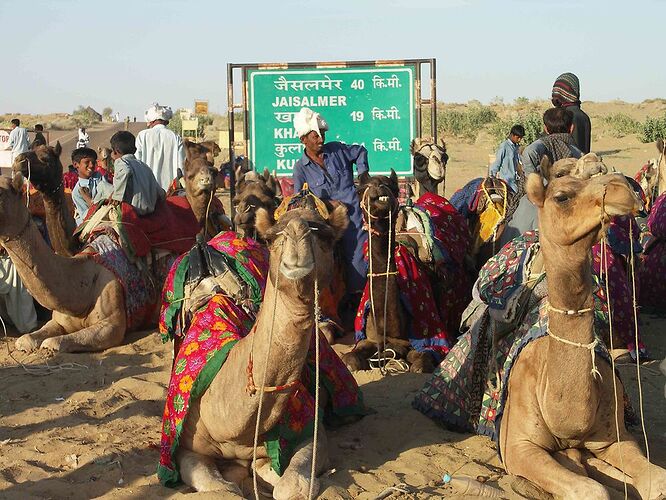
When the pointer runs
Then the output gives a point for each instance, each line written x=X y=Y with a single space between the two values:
x=558 y=175
x=561 y=197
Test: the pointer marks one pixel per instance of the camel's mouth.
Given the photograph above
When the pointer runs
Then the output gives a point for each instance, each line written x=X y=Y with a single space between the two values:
x=298 y=272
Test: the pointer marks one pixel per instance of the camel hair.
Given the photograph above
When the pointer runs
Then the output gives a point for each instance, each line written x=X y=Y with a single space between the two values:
x=44 y=169
x=221 y=422
x=559 y=420
x=254 y=191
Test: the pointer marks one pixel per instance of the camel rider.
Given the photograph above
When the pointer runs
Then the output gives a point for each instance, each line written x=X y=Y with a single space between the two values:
x=327 y=168
x=160 y=148
x=84 y=139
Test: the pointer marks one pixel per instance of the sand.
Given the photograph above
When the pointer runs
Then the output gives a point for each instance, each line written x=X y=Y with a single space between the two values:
x=90 y=427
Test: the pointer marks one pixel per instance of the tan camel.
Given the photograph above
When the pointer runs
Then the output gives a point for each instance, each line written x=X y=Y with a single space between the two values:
x=558 y=415
x=301 y=250
x=253 y=191
x=430 y=161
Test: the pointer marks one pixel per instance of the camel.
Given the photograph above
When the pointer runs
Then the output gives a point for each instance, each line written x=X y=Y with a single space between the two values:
x=254 y=191
x=88 y=301
x=558 y=415
x=388 y=324
x=220 y=424
x=208 y=149
x=429 y=164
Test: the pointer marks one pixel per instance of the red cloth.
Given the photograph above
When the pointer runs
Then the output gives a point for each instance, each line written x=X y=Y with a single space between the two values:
x=172 y=226
x=70 y=179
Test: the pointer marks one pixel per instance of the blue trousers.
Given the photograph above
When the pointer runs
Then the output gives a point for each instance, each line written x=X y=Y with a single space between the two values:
x=353 y=241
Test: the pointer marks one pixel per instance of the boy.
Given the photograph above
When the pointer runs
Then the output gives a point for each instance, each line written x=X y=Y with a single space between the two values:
x=133 y=180
x=87 y=187
x=506 y=161
x=39 y=139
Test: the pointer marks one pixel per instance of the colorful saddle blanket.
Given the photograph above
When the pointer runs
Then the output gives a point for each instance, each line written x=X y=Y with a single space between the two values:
x=653 y=261
x=206 y=342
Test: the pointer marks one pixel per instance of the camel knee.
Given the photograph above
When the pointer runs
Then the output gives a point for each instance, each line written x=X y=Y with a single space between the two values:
x=421 y=362
x=355 y=361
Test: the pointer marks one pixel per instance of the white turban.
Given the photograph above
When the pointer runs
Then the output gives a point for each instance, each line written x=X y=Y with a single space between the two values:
x=157 y=112
x=307 y=120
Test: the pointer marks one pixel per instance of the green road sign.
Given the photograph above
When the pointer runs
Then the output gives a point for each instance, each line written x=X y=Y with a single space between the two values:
x=373 y=106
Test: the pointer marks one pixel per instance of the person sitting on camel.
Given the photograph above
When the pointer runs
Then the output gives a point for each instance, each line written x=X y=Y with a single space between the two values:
x=327 y=168
x=133 y=180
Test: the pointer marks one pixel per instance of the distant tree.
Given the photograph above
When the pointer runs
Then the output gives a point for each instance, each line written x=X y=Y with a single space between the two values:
x=521 y=101
x=106 y=113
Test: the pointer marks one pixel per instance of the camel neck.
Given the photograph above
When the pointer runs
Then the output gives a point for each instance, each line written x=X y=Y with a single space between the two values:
x=199 y=206
x=60 y=223
x=61 y=284
x=569 y=367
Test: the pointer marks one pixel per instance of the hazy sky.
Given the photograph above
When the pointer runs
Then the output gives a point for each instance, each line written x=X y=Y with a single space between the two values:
x=126 y=54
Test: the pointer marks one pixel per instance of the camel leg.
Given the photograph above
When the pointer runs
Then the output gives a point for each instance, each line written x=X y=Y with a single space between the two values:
x=537 y=465
x=32 y=341
x=100 y=336
x=201 y=473
x=357 y=359
x=629 y=454
x=421 y=362
x=295 y=482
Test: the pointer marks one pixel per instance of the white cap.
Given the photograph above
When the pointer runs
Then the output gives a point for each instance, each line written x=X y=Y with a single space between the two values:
x=157 y=112
x=306 y=120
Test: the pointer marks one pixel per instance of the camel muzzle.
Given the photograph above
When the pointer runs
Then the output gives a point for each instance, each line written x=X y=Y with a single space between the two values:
x=297 y=255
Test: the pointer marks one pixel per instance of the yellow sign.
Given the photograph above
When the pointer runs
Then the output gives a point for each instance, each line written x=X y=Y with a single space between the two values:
x=200 y=107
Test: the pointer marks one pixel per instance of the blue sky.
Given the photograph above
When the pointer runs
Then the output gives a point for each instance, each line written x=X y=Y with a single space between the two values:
x=126 y=54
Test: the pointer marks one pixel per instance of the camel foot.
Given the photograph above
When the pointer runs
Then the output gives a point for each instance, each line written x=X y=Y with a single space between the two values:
x=421 y=362
x=651 y=485
x=355 y=361
x=201 y=473
x=294 y=486
x=27 y=343
x=53 y=344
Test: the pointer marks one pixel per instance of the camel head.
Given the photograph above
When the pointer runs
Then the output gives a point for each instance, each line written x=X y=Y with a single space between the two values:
x=586 y=167
x=253 y=191
x=378 y=195
x=13 y=214
x=42 y=167
x=301 y=242
x=430 y=160
x=576 y=211
x=199 y=177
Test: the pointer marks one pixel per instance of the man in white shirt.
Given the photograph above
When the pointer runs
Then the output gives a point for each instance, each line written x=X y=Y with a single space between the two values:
x=18 y=139
x=159 y=147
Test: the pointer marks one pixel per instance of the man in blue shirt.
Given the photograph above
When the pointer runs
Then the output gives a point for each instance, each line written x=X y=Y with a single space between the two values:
x=506 y=161
x=327 y=168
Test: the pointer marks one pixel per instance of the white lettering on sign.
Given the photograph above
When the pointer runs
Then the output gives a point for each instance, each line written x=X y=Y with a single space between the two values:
x=285 y=133
x=385 y=114
x=282 y=149
x=284 y=116
x=327 y=84
x=285 y=164
x=310 y=101
x=4 y=140
x=390 y=145
x=391 y=82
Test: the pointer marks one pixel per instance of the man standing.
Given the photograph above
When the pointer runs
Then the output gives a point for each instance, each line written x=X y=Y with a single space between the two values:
x=328 y=170
x=18 y=139
x=159 y=147
x=506 y=161
x=566 y=94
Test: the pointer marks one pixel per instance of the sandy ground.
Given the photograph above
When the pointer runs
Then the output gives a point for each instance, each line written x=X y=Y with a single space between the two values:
x=88 y=426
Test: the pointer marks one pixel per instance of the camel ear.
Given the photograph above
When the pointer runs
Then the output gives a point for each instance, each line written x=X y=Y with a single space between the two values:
x=536 y=192
x=338 y=219
x=545 y=167
x=263 y=222
x=364 y=178
x=394 y=182
x=416 y=142
x=660 y=146
x=266 y=175
x=17 y=181
x=57 y=149
x=442 y=144
x=278 y=186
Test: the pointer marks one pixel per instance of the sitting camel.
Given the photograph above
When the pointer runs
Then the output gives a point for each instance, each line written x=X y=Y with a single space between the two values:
x=254 y=191
x=219 y=423
x=400 y=309
x=96 y=295
x=430 y=161
x=546 y=391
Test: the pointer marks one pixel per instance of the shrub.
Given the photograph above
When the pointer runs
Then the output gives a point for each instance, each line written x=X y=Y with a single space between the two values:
x=621 y=124
x=652 y=129
x=532 y=121
x=465 y=123
x=521 y=101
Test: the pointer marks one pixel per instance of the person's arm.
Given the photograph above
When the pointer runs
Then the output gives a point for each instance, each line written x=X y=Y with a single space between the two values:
x=140 y=147
x=120 y=178
x=499 y=159
x=299 y=177
x=531 y=159
x=356 y=153
x=12 y=138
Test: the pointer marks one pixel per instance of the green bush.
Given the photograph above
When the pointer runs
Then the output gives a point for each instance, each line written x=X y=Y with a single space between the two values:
x=532 y=121
x=621 y=124
x=83 y=117
x=465 y=123
x=652 y=129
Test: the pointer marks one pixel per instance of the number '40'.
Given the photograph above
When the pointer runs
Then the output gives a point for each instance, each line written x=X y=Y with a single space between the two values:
x=358 y=84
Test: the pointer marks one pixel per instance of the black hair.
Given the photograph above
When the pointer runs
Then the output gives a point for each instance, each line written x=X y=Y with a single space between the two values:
x=39 y=127
x=81 y=153
x=558 y=120
x=518 y=130
x=16 y=121
x=123 y=142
